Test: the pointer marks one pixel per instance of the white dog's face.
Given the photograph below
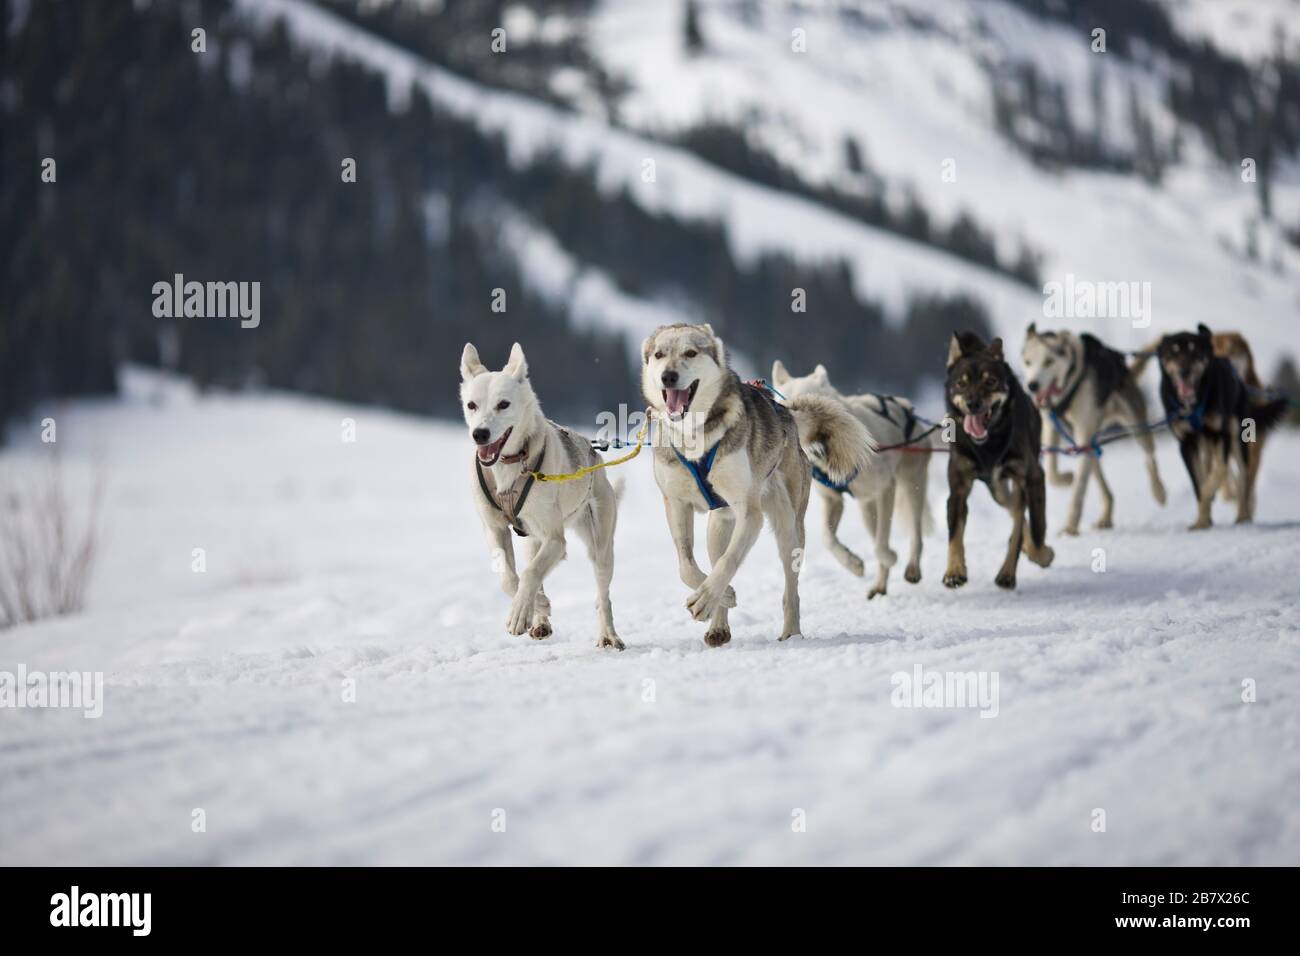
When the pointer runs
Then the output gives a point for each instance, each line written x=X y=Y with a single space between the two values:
x=1047 y=366
x=677 y=362
x=818 y=381
x=495 y=402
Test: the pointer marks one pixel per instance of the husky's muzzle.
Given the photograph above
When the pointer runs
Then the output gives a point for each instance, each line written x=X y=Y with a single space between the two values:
x=489 y=452
x=1046 y=397
x=678 y=400
x=976 y=424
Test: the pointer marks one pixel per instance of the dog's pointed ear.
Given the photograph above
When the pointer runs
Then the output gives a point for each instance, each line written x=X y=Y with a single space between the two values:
x=821 y=374
x=719 y=350
x=955 y=349
x=966 y=343
x=1032 y=331
x=995 y=349
x=517 y=367
x=779 y=375
x=470 y=366
x=1204 y=332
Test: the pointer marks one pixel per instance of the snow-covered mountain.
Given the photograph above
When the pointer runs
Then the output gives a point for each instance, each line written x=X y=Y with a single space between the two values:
x=912 y=83
x=918 y=88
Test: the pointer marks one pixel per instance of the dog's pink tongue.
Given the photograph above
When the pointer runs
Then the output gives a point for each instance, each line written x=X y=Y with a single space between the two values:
x=677 y=399
x=487 y=452
x=1185 y=391
x=975 y=427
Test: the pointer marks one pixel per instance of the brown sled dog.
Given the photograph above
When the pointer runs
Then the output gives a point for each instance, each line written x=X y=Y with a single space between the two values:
x=997 y=442
x=1233 y=347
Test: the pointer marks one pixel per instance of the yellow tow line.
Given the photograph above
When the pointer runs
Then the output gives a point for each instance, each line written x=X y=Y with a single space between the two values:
x=587 y=470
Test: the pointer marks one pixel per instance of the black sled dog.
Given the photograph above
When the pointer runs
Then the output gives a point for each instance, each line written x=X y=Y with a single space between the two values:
x=997 y=442
x=1219 y=421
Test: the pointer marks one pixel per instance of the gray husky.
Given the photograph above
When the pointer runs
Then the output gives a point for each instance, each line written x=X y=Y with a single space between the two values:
x=729 y=449
x=514 y=439
x=898 y=476
x=1088 y=387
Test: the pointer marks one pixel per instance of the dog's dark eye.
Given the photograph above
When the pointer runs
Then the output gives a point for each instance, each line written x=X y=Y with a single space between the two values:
x=502 y=405
x=690 y=353
x=659 y=355
x=471 y=406
x=963 y=381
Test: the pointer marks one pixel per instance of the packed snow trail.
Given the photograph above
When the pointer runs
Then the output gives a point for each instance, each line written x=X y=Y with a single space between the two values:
x=326 y=561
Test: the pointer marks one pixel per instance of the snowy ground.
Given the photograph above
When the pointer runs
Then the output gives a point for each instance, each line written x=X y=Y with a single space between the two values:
x=328 y=560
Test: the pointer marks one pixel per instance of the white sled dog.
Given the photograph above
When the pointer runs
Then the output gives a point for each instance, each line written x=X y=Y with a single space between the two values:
x=1087 y=386
x=514 y=440
x=729 y=449
x=898 y=476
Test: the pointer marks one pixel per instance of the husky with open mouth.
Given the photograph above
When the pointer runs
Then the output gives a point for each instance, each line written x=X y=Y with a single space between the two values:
x=513 y=439
x=998 y=439
x=729 y=449
x=899 y=476
x=1219 y=418
x=1080 y=383
x=1233 y=347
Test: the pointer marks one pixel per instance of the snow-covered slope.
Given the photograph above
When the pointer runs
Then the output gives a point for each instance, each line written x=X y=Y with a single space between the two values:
x=328 y=561
x=911 y=81
x=757 y=219
x=1247 y=29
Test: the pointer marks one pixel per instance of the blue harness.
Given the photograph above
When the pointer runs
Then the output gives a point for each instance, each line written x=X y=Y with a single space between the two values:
x=822 y=478
x=1094 y=447
x=700 y=472
x=700 y=469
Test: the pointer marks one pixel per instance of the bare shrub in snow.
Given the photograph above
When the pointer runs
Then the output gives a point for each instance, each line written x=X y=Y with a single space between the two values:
x=47 y=547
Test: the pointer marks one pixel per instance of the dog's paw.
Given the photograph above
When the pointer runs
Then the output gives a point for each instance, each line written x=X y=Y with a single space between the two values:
x=717 y=636
x=1043 y=557
x=521 y=615
x=1200 y=525
x=954 y=579
x=728 y=596
x=611 y=640
x=1006 y=580
x=913 y=574
x=855 y=565
x=1104 y=524
x=540 y=631
x=877 y=591
x=1158 y=492
x=706 y=600
x=786 y=637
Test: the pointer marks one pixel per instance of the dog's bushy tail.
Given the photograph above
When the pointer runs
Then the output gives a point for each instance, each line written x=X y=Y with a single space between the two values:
x=1268 y=412
x=832 y=436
